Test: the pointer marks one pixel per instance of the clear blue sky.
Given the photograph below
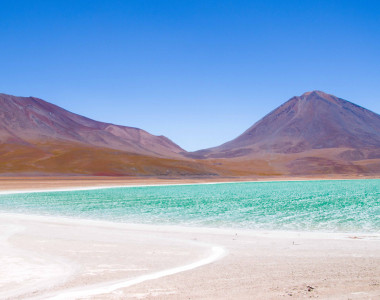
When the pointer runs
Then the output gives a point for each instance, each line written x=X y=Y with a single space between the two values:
x=199 y=72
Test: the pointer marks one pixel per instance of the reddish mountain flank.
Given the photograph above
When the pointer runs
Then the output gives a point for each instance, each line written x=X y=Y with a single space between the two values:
x=32 y=121
x=314 y=133
x=37 y=137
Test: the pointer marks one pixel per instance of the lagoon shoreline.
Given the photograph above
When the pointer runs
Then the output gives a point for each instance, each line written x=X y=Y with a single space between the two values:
x=10 y=184
x=63 y=258
x=72 y=258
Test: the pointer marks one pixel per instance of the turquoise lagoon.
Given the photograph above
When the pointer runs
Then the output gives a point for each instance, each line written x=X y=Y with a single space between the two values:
x=333 y=206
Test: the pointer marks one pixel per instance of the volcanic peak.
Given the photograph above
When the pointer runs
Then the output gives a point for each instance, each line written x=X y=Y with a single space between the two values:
x=317 y=96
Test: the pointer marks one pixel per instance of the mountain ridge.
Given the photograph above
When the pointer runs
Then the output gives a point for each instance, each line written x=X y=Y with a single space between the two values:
x=314 y=120
x=312 y=134
x=31 y=120
x=40 y=138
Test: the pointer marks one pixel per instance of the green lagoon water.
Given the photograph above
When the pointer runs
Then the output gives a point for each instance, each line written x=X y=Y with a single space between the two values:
x=334 y=206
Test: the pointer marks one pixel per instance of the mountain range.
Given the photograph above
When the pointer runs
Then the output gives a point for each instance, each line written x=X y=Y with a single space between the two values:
x=37 y=137
x=312 y=134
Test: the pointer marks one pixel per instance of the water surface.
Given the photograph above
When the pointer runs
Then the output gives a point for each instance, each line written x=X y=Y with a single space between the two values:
x=337 y=206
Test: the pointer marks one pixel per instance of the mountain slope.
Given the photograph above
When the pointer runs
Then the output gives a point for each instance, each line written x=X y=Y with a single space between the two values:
x=29 y=121
x=314 y=120
x=39 y=138
x=313 y=133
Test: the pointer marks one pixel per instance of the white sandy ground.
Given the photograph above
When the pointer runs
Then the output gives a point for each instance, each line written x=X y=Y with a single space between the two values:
x=61 y=258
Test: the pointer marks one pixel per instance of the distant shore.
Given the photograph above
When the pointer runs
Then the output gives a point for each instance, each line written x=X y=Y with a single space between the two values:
x=64 y=258
x=32 y=183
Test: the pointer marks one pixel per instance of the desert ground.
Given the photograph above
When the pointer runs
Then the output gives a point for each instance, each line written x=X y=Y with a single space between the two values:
x=61 y=258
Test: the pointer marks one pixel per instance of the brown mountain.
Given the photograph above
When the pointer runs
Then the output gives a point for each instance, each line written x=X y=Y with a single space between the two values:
x=313 y=133
x=37 y=137
x=31 y=120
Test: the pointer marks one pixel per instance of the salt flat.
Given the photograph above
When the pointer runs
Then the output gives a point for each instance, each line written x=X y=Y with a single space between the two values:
x=96 y=258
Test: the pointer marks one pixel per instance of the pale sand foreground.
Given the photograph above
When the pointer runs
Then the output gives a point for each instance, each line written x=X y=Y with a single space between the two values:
x=59 y=258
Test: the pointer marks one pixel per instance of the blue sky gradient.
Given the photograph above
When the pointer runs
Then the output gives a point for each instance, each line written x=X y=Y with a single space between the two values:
x=198 y=72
